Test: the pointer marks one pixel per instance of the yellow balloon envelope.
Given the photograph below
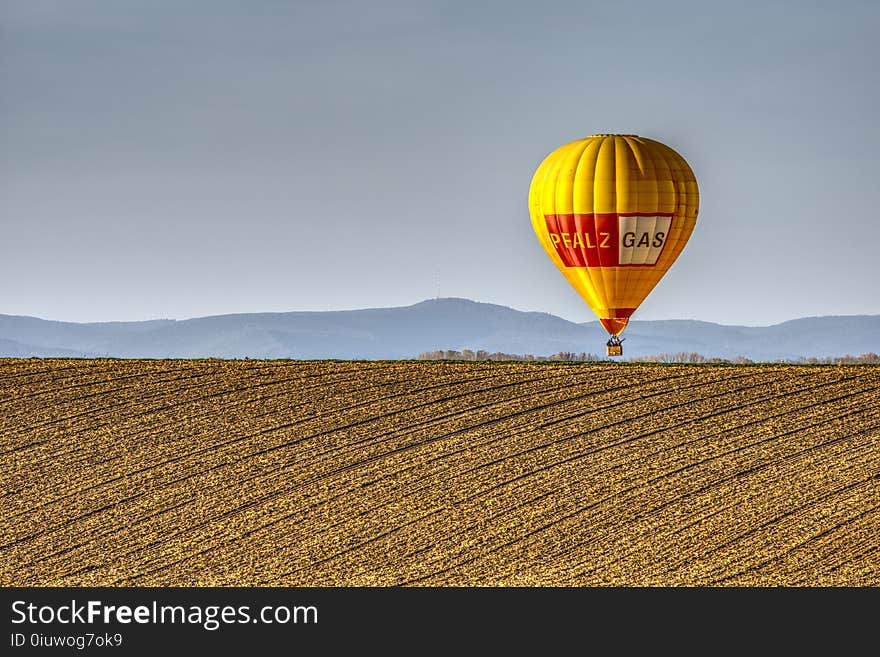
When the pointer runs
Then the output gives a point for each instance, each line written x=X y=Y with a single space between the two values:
x=613 y=212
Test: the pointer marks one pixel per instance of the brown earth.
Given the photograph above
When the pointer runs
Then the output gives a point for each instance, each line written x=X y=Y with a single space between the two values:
x=251 y=473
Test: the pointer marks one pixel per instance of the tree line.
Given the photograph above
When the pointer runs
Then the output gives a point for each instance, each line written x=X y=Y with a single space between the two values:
x=467 y=354
x=680 y=357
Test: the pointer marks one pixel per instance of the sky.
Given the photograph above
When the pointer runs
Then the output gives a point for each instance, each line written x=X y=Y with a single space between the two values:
x=174 y=159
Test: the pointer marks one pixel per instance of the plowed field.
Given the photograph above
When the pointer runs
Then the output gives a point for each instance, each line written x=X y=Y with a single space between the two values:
x=250 y=473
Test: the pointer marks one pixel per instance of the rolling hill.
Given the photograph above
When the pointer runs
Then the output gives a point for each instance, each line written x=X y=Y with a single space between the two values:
x=438 y=324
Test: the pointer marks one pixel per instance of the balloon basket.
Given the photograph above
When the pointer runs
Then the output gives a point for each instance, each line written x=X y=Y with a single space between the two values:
x=614 y=347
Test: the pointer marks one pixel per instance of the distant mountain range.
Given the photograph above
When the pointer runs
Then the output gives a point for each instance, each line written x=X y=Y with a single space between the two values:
x=436 y=324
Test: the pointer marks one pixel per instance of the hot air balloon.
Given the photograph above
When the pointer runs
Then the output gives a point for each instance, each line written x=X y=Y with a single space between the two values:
x=613 y=212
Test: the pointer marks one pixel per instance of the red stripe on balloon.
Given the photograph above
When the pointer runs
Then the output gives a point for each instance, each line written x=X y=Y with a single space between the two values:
x=590 y=239
x=584 y=240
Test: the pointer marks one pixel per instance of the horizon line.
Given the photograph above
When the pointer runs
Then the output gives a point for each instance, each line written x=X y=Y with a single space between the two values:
x=423 y=301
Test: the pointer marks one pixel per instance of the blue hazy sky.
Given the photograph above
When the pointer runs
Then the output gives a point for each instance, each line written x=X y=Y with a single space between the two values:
x=178 y=159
